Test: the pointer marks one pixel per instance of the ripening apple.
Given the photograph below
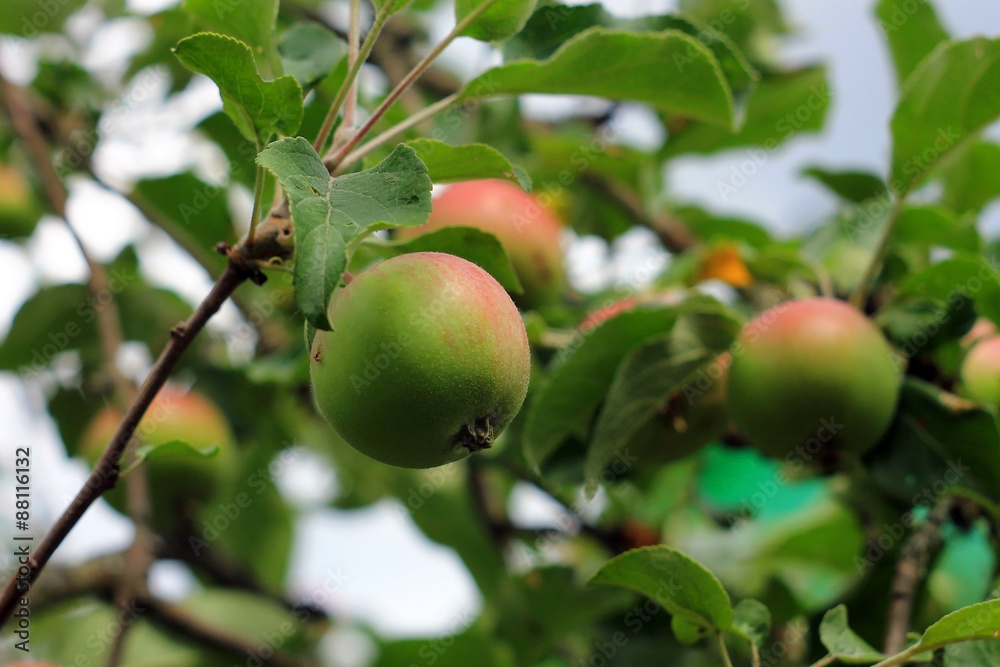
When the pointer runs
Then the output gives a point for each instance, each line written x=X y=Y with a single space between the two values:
x=528 y=231
x=18 y=205
x=179 y=481
x=427 y=361
x=981 y=371
x=983 y=328
x=812 y=378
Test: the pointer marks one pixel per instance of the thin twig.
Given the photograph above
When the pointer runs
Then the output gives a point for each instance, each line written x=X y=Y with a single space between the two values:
x=231 y=575
x=351 y=104
x=109 y=327
x=180 y=620
x=909 y=571
x=105 y=473
x=138 y=557
x=381 y=17
x=336 y=157
x=673 y=234
x=25 y=125
x=499 y=531
x=824 y=661
x=258 y=203
x=723 y=651
x=861 y=292
x=412 y=121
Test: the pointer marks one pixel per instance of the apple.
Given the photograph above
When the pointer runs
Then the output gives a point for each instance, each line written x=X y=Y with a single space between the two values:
x=811 y=378
x=179 y=481
x=981 y=371
x=983 y=328
x=427 y=361
x=527 y=230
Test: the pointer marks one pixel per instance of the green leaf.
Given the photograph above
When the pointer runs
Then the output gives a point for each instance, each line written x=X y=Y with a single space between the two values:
x=752 y=621
x=853 y=186
x=248 y=617
x=565 y=404
x=843 y=642
x=199 y=210
x=448 y=164
x=500 y=21
x=260 y=538
x=647 y=378
x=753 y=26
x=448 y=516
x=259 y=108
x=937 y=438
x=541 y=609
x=463 y=647
x=249 y=21
x=309 y=52
x=27 y=18
x=917 y=324
x=973 y=179
x=331 y=216
x=970 y=274
x=972 y=654
x=391 y=6
x=479 y=247
x=978 y=621
x=170 y=449
x=669 y=70
x=952 y=94
x=709 y=227
x=683 y=586
x=551 y=26
x=935 y=226
x=912 y=30
x=63 y=317
x=965 y=432
x=782 y=104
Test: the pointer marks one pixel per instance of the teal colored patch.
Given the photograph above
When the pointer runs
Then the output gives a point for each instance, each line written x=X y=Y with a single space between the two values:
x=962 y=574
x=745 y=483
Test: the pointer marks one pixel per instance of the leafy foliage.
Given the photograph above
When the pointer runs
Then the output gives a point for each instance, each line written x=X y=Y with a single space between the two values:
x=658 y=504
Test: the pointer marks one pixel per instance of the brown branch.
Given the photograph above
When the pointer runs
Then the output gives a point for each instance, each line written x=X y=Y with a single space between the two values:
x=673 y=234
x=181 y=621
x=105 y=473
x=98 y=577
x=109 y=328
x=138 y=557
x=910 y=570
x=225 y=573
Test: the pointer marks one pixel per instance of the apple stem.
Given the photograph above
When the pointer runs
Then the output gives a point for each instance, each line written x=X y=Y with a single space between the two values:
x=860 y=294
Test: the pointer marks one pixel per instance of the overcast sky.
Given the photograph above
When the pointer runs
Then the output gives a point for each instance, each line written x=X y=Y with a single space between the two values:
x=436 y=590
